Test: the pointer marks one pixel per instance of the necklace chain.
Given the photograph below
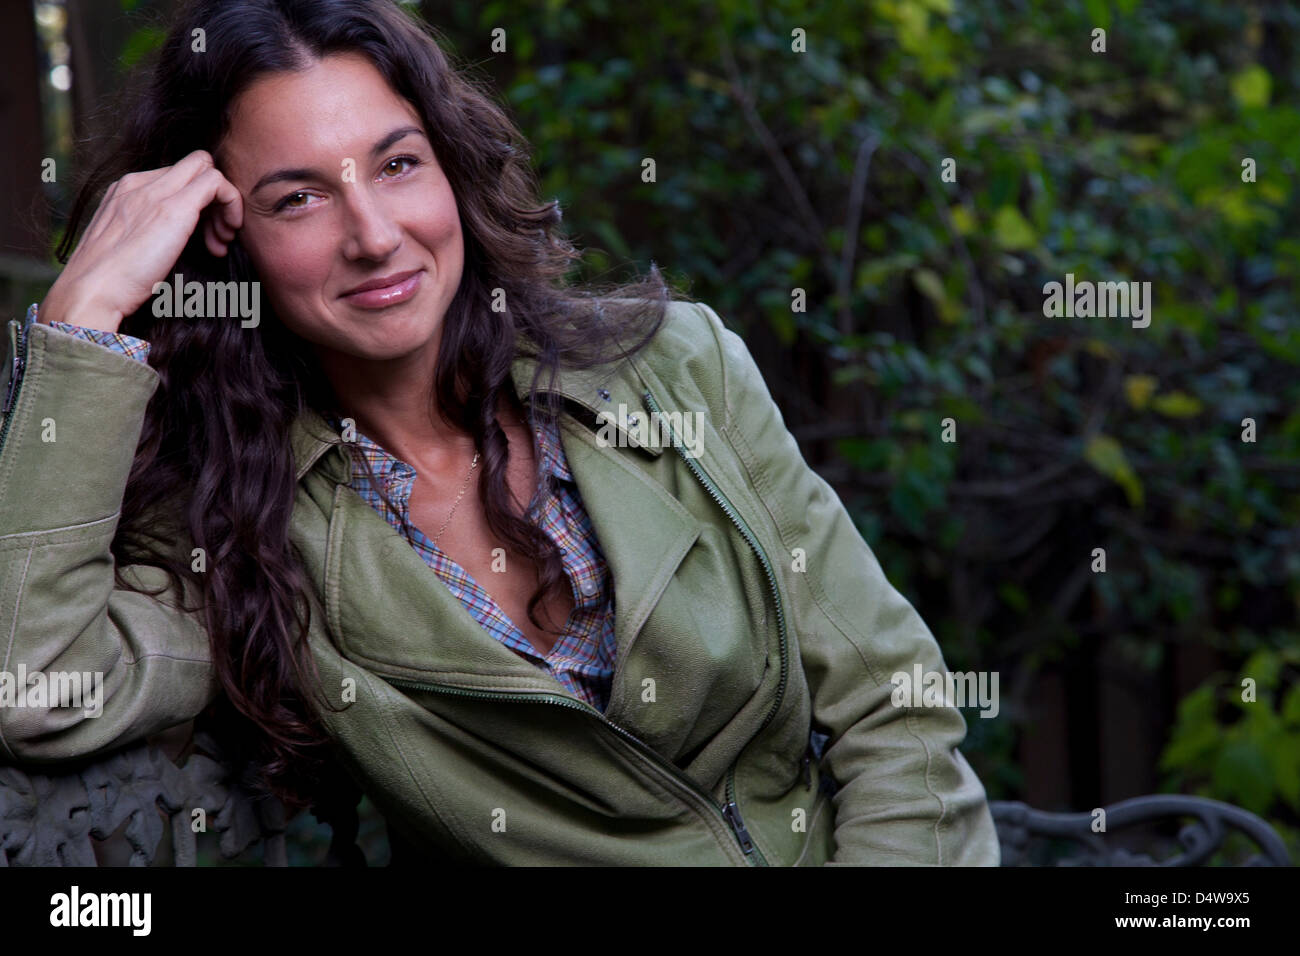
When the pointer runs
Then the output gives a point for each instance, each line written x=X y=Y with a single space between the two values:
x=472 y=466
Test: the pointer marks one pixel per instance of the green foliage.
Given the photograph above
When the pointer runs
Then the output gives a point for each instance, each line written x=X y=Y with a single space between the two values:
x=1087 y=432
x=1072 y=433
x=1245 y=751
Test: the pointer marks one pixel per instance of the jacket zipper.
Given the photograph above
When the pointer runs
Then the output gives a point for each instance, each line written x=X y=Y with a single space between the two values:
x=15 y=382
x=729 y=813
x=715 y=492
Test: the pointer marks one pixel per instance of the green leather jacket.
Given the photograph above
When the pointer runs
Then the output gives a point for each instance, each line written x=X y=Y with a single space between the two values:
x=732 y=643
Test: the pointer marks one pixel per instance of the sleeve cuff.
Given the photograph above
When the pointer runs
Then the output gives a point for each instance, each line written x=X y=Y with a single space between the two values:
x=119 y=342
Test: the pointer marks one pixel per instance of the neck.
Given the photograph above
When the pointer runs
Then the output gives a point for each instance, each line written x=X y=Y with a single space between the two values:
x=393 y=404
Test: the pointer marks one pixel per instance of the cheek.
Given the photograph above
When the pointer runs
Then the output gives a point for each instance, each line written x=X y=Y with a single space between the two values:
x=292 y=263
x=442 y=218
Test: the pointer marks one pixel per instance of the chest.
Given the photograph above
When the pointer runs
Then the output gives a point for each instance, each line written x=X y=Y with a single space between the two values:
x=506 y=575
x=698 y=645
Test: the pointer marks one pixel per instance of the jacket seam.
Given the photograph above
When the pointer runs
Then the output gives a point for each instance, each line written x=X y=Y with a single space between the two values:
x=59 y=342
x=45 y=342
x=819 y=600
x=166 y=657
x=14 y=536
x=9 y=645
x=454 y=831
x=733 y=433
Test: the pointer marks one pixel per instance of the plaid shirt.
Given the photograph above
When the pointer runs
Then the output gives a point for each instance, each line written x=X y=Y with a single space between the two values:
x=582 y=660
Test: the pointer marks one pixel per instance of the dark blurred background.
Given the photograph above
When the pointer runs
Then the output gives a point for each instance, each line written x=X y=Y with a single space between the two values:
x=822 y=170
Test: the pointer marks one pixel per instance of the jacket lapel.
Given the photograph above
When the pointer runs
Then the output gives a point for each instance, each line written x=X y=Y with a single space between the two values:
x=389 y=612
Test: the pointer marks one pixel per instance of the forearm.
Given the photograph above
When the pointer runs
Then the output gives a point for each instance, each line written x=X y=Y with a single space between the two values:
x=69 y=439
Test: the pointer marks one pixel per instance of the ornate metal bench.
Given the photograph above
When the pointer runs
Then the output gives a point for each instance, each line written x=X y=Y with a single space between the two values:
x=142 y=802
x=1024 y=833
x=67 y=818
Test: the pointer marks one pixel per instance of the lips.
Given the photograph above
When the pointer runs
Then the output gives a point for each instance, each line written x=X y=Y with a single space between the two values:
x=384 y=291
x=382 y=282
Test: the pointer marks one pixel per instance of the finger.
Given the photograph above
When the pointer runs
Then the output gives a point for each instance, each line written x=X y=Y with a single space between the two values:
x=198 y=171
x=184 y=171
x=218 y=196
x=138 y=179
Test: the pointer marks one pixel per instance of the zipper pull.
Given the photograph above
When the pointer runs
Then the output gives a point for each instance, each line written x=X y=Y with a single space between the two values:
x=732 y=813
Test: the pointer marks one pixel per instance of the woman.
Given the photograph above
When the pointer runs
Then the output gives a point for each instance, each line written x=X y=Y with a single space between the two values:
x=632 y=639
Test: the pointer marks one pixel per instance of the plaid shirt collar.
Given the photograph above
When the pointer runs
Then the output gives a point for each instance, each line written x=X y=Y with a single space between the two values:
x=605 y=388
x=389 y=469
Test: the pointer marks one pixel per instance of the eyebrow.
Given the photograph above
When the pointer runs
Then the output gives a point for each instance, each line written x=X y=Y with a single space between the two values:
x=294 y=175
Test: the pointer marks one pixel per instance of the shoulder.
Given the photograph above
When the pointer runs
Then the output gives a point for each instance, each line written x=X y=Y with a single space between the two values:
x=698 y=361
x=689 y=328
x=684 y=359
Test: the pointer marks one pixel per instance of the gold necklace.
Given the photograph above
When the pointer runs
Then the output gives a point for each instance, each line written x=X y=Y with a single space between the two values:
x=472 y=465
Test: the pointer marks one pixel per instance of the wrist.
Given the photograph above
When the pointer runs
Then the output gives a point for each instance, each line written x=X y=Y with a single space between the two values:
x=80 y=311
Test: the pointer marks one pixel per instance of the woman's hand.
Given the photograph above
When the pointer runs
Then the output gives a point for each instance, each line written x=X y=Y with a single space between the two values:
x=137 y=234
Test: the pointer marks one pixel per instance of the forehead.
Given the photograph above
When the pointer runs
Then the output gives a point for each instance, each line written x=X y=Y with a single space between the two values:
x=339 y=106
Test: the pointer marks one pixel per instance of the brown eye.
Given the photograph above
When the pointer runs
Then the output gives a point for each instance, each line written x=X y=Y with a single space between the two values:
x=286 y=204
x=411 y=162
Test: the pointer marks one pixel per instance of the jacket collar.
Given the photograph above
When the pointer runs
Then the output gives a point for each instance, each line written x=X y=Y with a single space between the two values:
x=311 y=437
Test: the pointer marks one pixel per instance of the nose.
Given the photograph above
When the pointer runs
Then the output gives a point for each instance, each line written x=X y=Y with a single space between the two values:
x=371 y=233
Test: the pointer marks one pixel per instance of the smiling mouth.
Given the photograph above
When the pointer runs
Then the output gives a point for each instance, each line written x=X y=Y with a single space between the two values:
x=395 y=289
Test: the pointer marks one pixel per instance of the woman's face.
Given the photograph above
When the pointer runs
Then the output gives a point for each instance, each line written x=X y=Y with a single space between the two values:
x=340 y=188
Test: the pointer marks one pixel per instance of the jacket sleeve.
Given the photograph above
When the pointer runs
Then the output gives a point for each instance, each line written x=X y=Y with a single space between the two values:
x=906 y=794
x=69 y=428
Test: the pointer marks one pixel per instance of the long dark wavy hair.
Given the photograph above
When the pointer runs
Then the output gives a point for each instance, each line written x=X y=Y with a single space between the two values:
x=214 y=467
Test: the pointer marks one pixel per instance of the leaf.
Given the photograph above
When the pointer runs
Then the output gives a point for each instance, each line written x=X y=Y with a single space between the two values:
x=1242 y=771
x=1014 y=597
x=612 y=238
x=1193 y=747
x=907 y=502
x=1286 y=769
x=870 y=455
x=1251 y=87
x=1197 y=707
x=930 y=285
x=963 y=220
x=1098 y=13
x=140 y=43
x=978 y=367
x=912 y=421
x=1139 y=389
x=1011 y=231
x=1291 y=707
x=874 y=272
x=1107 y=456
x=782 y=323
x=1177 y=404
x=1264 y=666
